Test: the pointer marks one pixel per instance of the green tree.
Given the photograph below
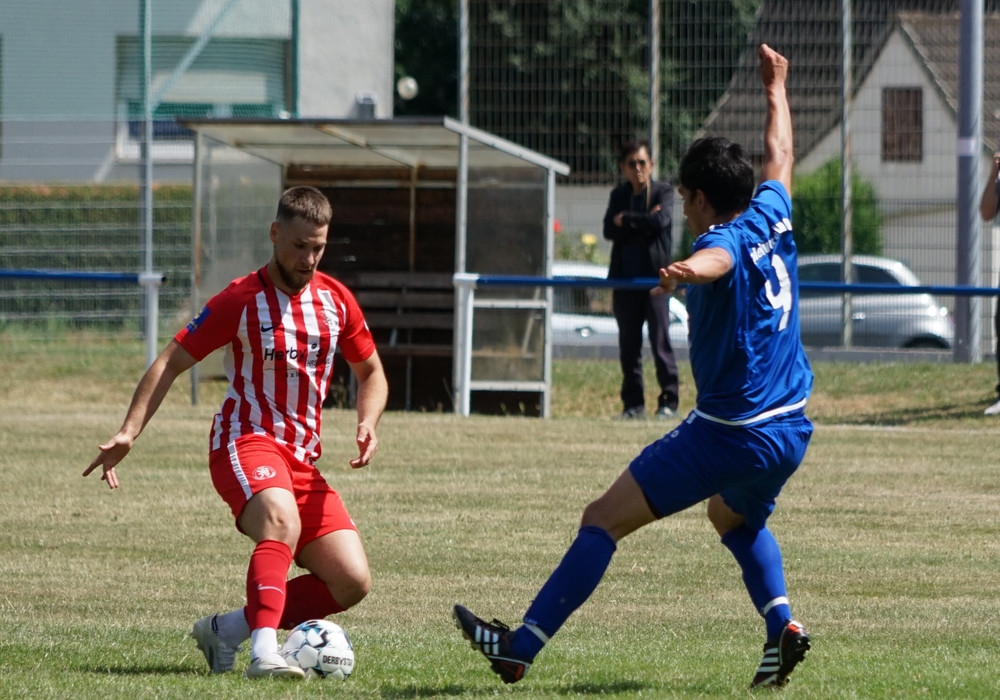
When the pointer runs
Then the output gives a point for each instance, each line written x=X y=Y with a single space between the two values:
x=567 y=78
x=570 y=78
x=816 y=211
x=702 y=43
x=427 y=50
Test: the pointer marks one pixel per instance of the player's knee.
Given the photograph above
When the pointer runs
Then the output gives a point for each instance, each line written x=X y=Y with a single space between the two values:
x=351 y=590
x=273 y=525
x=723 y=519
x=285 y=528
x=592 y=514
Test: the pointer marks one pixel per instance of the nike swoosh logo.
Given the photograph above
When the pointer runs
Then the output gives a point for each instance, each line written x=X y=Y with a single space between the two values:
x=269 y=588
x=266 y=329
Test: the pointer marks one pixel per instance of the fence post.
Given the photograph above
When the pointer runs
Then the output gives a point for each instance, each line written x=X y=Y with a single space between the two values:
x=465 y=285
x=151 y=281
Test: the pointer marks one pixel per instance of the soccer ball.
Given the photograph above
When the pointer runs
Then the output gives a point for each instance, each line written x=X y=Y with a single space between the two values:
x=321 y=649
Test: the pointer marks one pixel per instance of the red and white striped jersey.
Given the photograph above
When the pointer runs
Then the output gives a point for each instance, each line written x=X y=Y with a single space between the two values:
x=279 y=356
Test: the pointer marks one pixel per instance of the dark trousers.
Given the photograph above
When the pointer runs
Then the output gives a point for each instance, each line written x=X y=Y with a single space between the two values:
x=632 y=308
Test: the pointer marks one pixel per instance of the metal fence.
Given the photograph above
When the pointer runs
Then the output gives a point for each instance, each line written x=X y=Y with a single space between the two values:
x=570 y=79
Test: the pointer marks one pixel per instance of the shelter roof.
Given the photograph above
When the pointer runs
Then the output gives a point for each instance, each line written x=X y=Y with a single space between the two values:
x=410 y=142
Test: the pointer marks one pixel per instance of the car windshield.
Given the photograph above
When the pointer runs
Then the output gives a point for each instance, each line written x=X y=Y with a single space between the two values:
x=830 y=272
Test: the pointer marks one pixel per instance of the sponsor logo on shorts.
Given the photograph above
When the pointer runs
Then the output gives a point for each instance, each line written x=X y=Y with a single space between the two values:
x=263 y=473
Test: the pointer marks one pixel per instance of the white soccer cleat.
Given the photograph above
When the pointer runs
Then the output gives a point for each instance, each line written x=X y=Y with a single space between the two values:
x=220 y=655
x=993 y=410
x=273 y=666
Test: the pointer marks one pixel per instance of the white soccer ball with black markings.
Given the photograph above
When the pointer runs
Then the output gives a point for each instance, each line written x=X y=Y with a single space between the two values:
x=320 y=648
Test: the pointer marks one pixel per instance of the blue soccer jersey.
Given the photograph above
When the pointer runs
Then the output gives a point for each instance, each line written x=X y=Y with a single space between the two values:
x=746 y=354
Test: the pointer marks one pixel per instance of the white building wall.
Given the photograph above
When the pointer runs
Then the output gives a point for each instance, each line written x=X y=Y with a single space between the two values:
x=58 y=81
x=933 y=177
x=59 y=57
x=346 y=49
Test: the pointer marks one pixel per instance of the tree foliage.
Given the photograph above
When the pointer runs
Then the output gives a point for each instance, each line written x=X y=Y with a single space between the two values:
x=570 y=78
x=427 y=49
x=817 y=206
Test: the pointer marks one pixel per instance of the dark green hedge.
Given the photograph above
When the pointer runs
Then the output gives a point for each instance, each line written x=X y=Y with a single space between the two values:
x=94 y=228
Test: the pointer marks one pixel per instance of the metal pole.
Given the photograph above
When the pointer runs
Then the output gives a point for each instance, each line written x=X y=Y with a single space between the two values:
x=968 y=322
x=654 y=84
x=463 y=61
x=462 y=350
x=550 y=215
x=196 y=205
x=294 y=92
x=146 y=202
x=846 y=157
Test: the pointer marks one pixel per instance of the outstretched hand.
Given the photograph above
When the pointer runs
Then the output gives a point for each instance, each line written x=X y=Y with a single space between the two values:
x=670 y=277
x=112 y=452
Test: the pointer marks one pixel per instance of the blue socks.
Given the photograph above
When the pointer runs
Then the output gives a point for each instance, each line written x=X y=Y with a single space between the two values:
x=759 y=557
x=588 y=557
x=569 y=586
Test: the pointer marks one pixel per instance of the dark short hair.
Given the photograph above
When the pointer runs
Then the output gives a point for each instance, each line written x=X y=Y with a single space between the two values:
x=630 y=147
x=306 y=203
x=721 y=169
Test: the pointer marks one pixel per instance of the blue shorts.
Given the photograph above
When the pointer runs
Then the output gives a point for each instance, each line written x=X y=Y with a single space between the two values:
x=746 y=465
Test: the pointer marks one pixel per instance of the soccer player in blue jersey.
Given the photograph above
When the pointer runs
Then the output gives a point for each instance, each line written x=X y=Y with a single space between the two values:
x=748 y=433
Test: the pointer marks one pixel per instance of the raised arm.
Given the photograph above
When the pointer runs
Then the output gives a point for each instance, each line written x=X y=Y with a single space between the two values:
x=778 y=155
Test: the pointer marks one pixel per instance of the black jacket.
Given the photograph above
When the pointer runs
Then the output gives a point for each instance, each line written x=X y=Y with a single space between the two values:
x=642 y=245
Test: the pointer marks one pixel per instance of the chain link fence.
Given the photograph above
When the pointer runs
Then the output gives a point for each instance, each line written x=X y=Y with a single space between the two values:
x=572 y=80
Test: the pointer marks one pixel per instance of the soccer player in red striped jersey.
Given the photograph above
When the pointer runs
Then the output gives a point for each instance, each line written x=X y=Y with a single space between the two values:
x=281 y=327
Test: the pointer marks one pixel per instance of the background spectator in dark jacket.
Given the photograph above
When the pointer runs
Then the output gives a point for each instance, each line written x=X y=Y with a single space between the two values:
x=638 y=223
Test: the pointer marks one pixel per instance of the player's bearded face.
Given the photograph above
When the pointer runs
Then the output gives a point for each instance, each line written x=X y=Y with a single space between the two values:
x=298 y=247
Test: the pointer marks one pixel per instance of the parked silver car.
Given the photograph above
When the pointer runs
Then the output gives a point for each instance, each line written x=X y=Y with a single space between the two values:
x=581 y=316
x=878 y=320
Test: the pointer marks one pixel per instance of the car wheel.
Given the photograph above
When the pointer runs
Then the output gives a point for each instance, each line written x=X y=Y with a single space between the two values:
x=925 y=344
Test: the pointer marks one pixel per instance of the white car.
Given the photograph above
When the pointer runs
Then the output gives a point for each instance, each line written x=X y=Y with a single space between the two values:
x=582 y=318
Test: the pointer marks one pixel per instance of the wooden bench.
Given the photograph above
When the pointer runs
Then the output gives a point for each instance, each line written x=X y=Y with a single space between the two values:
x=411 y=315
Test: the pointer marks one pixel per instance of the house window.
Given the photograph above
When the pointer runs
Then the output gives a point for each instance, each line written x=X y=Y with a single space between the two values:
x=230 y=78
x=902 y=124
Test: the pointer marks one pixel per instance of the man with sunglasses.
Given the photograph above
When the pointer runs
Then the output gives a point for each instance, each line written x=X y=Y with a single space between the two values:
x=638 y=223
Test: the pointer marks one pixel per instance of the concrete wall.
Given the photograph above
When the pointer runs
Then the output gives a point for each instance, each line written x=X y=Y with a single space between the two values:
x=346 y=49
x=59 y=74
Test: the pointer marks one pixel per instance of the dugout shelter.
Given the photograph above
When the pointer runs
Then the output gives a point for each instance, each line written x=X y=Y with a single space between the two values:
x=415 y=201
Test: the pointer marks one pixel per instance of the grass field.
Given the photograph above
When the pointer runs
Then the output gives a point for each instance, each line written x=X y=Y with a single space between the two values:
x=889 y=532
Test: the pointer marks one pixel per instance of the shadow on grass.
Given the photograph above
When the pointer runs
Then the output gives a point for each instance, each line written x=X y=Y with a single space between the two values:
x=915 y=415
x=427 y=691
x=144 y=670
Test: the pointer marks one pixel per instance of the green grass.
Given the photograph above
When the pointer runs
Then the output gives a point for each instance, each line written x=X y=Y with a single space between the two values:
x=888 y=532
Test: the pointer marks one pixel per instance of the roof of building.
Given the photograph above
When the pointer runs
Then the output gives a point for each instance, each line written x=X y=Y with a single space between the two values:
x=433 y=142
x=935 y=38
x=809 y=35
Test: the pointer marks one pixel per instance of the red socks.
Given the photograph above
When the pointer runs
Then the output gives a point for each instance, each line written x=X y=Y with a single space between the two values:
x=273 y=601
x=308 y=599
x=266 y=583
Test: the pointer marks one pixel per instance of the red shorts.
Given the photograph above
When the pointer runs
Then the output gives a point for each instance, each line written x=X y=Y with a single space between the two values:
x=252 y=463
